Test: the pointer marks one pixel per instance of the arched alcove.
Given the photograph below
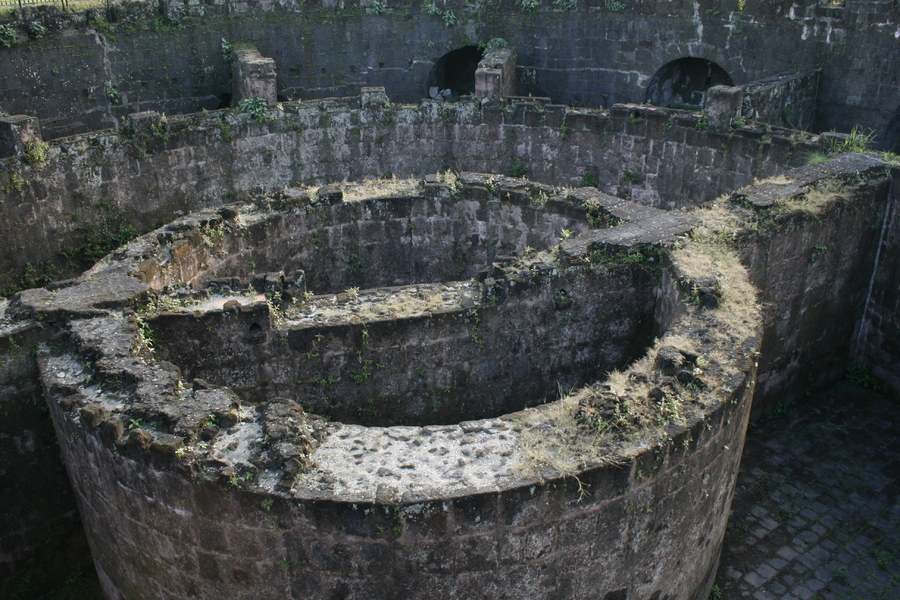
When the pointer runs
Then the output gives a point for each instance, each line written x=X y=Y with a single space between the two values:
x=455 y=71
x=682 y=83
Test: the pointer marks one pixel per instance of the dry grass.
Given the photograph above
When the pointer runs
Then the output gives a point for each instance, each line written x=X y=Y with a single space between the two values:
x=553 y=442
x=617 y=382
x=452 y=181
x=710 y=256
x=777 y=179
x=682 y=342
x=380 y=188
x=383 y=305
x=719 y=223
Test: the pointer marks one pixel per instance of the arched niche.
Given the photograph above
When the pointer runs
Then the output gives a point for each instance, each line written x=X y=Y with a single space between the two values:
x=455 y=71
x=682 y=83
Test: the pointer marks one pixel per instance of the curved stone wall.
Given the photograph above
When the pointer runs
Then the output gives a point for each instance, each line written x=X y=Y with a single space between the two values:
x=619 y=489
x=90 y=189
x=86 y=74
x=369 y=357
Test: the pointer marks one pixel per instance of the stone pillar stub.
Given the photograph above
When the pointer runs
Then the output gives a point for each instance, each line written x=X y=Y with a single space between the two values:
x=723 y=105
x=495 y=77
x=373 y=97
x=142 y=123
x=253 y=76
x=16 y=131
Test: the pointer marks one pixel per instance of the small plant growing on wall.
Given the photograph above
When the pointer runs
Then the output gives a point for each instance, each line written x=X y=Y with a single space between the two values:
x=566 y=4
x=449 y=18
x=227 y=52
x=36 y=30
x=858 y=140
x=517 y=169
x=112 y=94
x=816 y=252
x=35 y=152
x=257 y=108
x=8 y=37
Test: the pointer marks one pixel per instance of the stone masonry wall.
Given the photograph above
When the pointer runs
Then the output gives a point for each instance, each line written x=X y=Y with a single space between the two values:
x=394 y=241
x=542 y=333
x=811 y=256
x=174 y=513
x=658 y=506
x=879 y=338
x=87 y=73
x=90 y=188
x=576 y=538
x=490 y=361
x=786 y=100
x=41 y=537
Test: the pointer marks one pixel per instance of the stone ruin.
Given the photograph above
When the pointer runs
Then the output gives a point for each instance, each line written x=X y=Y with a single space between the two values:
x=467 y=385
x=425 y=401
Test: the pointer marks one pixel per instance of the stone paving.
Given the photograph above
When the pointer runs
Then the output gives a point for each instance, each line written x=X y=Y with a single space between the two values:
x=816 y=514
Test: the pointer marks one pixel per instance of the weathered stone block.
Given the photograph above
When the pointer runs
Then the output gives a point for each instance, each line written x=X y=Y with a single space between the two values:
x=144 y=123
x=495 y=77
x=373 y=97
x=16 y=131
x=254 y=76
x=784 y=100
x=723 y=105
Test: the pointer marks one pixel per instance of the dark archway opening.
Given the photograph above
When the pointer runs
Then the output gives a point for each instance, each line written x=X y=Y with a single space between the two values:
x=453 y=74
x=683 y=83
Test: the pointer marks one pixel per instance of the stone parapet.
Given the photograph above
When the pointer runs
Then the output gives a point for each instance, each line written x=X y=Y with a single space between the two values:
x=258 y=494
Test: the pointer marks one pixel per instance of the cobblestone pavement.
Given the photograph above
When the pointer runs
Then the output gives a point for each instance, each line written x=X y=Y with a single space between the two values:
x=815 y=512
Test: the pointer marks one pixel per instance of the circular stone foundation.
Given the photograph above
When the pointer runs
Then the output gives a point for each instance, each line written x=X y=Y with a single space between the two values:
x=400 y=390
x=441 y=307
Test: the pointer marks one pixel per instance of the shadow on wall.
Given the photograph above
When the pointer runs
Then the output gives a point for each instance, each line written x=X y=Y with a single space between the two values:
x=453 y=74
x=682 y=83
x=891 y=139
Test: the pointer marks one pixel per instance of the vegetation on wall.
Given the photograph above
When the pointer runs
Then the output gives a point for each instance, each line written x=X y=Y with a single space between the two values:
x=32 y=276
x=8 y=36
x=859 y=139
x=99 y=238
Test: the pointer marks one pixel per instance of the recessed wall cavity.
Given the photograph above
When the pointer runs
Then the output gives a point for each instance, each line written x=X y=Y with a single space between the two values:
x=453 y=75
x=683 y=83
